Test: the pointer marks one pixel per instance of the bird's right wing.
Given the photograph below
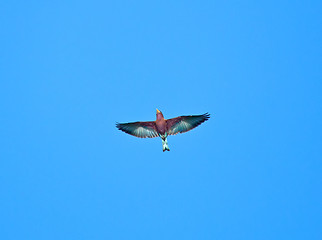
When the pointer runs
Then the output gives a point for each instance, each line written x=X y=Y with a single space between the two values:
x=139 y=129
x=185 y=123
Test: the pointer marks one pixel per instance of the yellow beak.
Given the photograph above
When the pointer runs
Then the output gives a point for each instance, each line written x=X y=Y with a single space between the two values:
x=158 y=111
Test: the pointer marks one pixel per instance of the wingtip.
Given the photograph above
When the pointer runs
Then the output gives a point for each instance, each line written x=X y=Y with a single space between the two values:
x=207 y=115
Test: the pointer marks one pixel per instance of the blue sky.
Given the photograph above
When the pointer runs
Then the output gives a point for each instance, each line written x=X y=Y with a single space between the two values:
x=70 y=69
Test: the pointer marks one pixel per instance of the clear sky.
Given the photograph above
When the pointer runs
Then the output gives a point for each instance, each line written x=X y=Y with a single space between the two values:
x=70 y=69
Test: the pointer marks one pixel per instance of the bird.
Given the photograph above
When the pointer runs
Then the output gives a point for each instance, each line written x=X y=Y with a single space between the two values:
x=163 y=127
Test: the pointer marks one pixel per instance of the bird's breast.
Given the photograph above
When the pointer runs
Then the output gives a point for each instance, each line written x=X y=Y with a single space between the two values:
x=161 y=126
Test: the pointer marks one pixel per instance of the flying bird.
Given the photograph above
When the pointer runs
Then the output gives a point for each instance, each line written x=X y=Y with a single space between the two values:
x=163 y=127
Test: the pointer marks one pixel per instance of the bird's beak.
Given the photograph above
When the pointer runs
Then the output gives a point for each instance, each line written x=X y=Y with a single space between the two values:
x=158 y=111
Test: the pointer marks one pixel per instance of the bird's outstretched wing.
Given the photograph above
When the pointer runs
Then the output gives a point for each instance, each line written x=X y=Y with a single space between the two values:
x=185 y=123
x=139 y=129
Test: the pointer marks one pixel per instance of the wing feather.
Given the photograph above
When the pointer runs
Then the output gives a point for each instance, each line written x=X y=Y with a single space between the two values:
x=185 y=123
x=139 y=129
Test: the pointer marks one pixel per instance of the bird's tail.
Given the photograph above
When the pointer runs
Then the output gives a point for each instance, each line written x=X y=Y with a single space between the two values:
x=165 y=144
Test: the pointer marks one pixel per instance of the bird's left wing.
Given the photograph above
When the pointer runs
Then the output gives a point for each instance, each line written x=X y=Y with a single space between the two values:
x=185 y=123
x=139 y=129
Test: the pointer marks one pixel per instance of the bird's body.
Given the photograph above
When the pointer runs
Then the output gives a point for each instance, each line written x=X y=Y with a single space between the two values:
x=161 y=124
x=163 y=127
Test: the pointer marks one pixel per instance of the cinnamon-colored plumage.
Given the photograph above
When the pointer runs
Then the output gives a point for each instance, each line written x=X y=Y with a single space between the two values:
x=163 y=127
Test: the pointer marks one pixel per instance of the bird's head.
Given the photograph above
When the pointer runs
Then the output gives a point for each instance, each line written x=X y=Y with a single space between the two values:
x=159 y=114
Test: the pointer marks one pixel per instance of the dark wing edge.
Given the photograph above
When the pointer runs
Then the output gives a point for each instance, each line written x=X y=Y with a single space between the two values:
x=185 y=123
x=139 y=129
